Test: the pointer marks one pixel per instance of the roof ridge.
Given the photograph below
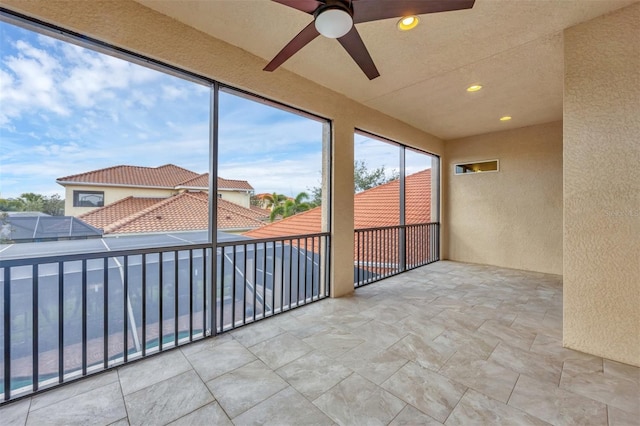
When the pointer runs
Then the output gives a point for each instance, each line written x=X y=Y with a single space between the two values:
x=171 y=165
x=93 y=171
x=192 y=178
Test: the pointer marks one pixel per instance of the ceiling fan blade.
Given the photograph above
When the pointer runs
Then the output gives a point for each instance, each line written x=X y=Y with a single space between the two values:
x=308 y=6
x=298 y=42
x=373 y=10
x=354 y=45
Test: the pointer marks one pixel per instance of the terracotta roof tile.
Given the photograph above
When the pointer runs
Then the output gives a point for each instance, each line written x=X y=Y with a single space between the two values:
x=233 y=216
x=114 y=212
x=202 y=181
x=373 y=208
x=167 y=176
x=234 y=184
x=188 y=211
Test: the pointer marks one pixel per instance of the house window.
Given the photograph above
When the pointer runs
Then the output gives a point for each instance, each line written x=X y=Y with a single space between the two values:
x=480 y=166
x=88 y=198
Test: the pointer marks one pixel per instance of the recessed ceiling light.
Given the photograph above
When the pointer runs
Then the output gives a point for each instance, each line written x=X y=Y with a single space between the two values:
x=407 y=23
x=474 y=88
x=505 y=118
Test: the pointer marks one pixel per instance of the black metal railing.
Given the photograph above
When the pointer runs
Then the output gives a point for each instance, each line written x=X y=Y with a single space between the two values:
x=389 y=250
x=261 y=278
x=72 y=315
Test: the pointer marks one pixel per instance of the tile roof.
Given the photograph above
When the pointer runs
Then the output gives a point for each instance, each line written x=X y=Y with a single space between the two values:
x=114 y=212
x=234 y=184
x=183 y=212
x=373 y=208
x=167 y=176
x=202 y=181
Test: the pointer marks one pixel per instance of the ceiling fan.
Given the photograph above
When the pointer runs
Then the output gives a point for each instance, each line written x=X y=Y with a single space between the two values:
x=337 y=19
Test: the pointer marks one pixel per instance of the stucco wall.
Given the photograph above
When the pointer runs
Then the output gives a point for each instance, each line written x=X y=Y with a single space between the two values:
x=241 y=198
x=137 y=28
x=111 y=195
x=602 y=186
x=512 y=218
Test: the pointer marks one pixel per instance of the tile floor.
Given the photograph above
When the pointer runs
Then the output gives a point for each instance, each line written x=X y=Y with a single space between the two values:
x=449 y=343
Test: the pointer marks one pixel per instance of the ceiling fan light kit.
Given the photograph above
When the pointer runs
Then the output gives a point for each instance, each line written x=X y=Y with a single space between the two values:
x=338 y=18
x=333 y=21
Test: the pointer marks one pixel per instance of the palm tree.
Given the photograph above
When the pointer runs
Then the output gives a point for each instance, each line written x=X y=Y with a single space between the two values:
x=291 y=206
x=274 y=200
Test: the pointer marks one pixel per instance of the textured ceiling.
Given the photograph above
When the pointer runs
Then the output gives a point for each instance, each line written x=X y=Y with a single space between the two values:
x=512 y=47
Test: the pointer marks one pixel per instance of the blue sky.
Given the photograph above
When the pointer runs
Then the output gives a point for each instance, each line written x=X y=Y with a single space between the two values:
x=65 y=109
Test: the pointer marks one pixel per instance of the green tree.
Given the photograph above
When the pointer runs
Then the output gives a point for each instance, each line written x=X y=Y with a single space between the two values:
x=10 y=205
x=274 y=200
x=291 y=206
x=31 y=202
x=53 y=205
x=316 y=196
x=364 y=179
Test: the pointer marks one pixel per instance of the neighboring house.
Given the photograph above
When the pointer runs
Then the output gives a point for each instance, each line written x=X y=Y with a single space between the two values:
x=187 y=211
x=98 y=188
x=373 y=208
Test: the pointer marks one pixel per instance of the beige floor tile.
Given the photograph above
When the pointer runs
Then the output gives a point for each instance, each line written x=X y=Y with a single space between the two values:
x=411 y=416
x=256 y=333
x=157 y=368
x=478 y=344
x=313 y=374
x=615 y=391
x=357 y=401
x=286 y=408
x=459 y=320
x=241 y=389
x=486 y=377
x=624 y=371
x=206 y=343
x=333 y=342
x=72 y=389
x=476 y=408
x=210 y=414
x=427 y=354
x=216 y=361
x=555 y=405
x=15 y=413
x=513 y=337
x=378 y=333
x=102 y=405
x=618 y=417
x=426 y=390
x=539 y=367
x=168 y=400
x=280 y=350
x=373 y=363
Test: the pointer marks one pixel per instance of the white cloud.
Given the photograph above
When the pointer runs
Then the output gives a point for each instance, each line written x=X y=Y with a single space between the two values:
x=27 y=83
